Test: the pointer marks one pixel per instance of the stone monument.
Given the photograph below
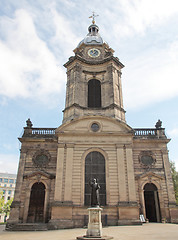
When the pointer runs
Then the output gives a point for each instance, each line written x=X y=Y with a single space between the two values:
x=94 y=230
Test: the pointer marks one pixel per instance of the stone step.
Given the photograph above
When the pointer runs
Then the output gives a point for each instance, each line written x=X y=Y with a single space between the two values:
x=27 y=227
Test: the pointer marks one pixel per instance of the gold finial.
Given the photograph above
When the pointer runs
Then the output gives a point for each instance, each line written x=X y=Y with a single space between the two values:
x=93 y=16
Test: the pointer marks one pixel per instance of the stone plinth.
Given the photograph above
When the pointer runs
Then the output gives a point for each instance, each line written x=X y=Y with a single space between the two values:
x=94 y=222
x=94 y=231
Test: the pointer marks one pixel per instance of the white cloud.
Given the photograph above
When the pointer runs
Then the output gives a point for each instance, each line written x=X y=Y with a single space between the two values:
x=28 y=68
x=151 y=77
x=8 y=163
x=65 y=39
x=173 y=132
x=138 y=15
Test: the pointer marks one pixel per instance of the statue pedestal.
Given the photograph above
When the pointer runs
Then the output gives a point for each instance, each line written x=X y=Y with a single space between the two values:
x=94 y=222
x=94 y=231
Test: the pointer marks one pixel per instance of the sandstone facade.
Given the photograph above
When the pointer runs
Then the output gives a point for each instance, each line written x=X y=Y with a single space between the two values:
x=94 y=140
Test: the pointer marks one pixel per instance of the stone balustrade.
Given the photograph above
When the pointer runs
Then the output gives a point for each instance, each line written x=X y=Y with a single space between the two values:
x=39 y=132
x=43 y=131
x=138 y=132
x=149 y=132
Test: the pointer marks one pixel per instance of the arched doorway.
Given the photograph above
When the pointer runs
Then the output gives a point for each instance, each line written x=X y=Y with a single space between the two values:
x=95 y=168
x=36 y=205
x=152 y=206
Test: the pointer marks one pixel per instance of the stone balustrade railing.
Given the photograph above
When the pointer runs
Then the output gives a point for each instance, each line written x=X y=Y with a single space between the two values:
x=138 y=132
x=149 y=132
x=43 y=131
x=39 y=132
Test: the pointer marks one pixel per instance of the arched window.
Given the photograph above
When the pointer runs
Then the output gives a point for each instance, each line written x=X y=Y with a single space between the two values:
x=94 y=93
x=95 y=168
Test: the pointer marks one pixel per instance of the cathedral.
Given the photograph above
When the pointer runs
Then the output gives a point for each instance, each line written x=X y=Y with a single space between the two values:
x=94 y=141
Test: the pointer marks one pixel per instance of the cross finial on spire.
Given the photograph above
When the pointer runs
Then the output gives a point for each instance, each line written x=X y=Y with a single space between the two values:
x=93 y=16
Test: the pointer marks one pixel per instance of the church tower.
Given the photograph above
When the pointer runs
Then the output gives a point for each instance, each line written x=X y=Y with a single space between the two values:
x=94 y=80
x=94 y=141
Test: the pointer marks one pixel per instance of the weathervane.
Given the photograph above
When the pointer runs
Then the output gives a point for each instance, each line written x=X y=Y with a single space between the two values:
x=93 y=16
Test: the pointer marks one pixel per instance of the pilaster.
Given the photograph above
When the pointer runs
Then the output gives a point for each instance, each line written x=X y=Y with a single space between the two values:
x=121 y=173
x=68 y=175
x=130 y=174
x=169 y=183
x=15 y=207
x=59 y=173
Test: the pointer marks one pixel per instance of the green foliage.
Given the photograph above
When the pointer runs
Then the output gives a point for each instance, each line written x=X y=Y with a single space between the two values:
x=1 y=202
x=175 y=179
x=5 y=207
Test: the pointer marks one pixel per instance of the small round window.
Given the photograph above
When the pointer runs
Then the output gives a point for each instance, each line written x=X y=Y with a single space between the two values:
x=147 y=160
x=41 y=160
x=95 y=127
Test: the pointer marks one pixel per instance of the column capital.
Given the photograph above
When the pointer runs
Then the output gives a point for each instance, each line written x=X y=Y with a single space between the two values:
x=128 y=146
x=120 y=145
x=164 y=151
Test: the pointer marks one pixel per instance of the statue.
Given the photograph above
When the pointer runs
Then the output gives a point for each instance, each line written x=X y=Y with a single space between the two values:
x=94 y=193
x=158 y=124
x=29 y=123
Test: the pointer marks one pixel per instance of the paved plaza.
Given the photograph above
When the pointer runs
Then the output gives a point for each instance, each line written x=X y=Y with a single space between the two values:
x=149 y=231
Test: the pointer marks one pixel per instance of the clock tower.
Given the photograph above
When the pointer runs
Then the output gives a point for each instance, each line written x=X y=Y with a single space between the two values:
x=93 y=80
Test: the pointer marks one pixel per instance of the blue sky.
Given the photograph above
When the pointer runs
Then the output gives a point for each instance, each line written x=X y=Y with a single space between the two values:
x=38 y=36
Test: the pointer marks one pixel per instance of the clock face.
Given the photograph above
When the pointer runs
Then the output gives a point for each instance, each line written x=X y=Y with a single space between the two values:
x=93 y=52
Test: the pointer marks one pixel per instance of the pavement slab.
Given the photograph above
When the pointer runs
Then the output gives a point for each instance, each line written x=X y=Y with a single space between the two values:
x=148 y=231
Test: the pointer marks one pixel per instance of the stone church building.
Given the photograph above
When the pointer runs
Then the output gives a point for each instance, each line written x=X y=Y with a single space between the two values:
x=94 y=141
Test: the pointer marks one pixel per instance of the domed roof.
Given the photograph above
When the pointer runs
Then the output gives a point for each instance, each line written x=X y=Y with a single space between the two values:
x=93 y=37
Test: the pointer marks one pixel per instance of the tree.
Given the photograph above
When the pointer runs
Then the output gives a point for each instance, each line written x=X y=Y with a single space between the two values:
x=175 y=179
x=1 y=202
x=5 y=207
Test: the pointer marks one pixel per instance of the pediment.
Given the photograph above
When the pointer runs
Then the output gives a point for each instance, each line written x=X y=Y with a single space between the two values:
x=106 y=125
x=39 y=174
x=149 y=175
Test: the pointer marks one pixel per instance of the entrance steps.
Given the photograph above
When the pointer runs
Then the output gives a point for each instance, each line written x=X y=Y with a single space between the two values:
x=27 y=227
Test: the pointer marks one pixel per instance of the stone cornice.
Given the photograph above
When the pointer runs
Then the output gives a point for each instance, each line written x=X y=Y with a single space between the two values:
x=40 y=173
x=61 y=203
x=149 y=174
x=93 y=62
x=145 y=139
x=127 y=204
x=111 y=106
x=94 y=73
